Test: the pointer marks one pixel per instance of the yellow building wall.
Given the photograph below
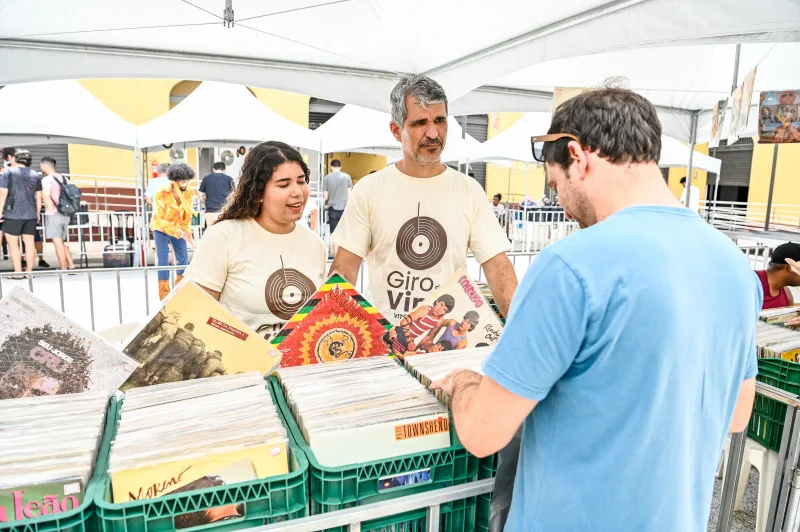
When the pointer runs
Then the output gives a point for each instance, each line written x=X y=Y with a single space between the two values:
x=287 y=104
x=140 y=100
x=356 y=164
x=136 y=100
x=699 y=177
x=787 y=175
x=510 y=182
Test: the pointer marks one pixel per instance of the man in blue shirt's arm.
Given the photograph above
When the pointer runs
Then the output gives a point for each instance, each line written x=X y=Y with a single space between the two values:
x=629 y=351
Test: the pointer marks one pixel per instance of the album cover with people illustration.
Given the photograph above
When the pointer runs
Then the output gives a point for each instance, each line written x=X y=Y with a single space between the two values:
x=456 y=316
x=193 y=336
x=336 y=323
x=42 y=352
x=779 y=117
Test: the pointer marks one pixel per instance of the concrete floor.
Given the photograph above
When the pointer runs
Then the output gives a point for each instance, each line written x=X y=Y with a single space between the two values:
x=745 y=519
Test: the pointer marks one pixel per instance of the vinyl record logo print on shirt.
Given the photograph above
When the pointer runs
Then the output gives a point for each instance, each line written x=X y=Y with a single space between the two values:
x=421 y=242
x=286 y=291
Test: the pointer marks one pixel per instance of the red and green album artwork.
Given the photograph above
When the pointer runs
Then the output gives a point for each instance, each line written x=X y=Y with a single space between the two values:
x=336 y=324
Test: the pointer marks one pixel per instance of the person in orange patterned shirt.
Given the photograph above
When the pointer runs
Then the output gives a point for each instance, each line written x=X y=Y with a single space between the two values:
x=172 y=219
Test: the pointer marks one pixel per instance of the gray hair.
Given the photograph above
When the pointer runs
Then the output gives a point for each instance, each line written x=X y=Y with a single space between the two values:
x=163 y=168
x=423 y=89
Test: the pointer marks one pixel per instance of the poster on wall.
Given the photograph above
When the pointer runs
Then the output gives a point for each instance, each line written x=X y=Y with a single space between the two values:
x=717 y=123
x=778 y=121
x=740 y=108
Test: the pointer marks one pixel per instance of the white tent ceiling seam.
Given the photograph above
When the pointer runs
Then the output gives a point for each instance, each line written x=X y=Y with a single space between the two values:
x=512 y=35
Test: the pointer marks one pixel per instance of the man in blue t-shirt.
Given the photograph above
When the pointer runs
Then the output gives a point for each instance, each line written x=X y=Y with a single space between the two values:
x=644 y=357
x=214 y=191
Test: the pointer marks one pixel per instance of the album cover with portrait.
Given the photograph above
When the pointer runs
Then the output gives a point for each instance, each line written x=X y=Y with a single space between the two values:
x=42 y=352
x=336 y=323
x=779 y=117
x=193 y=336
x=456 y=316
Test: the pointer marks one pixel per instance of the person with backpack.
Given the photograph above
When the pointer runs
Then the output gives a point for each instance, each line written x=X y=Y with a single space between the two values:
x=20 y=203
x=54 y=189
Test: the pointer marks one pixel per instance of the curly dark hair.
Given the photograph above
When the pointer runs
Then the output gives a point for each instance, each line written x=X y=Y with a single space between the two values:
x=258 y=168
x=180 y=172
x=23 y=157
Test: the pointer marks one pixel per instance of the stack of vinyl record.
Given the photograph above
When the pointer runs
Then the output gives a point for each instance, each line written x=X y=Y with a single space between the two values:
x=776 y=341
x=779 y=315
x=362 y=410
x=48 y=447
x=487 y=293
x=435 y=366
x=196 y=434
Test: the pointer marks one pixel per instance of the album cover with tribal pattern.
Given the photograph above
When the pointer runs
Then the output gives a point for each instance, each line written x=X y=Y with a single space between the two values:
x=335 y=324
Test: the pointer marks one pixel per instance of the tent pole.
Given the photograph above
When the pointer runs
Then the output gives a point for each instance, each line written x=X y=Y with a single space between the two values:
x=692 y=141
x=526 y=179
x=143 y=169
x=320 y=196
x=464 y=138
x=771 y=186
x=714 y=154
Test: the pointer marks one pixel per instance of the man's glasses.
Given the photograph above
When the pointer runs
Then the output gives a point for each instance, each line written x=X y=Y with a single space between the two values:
x=538 y=142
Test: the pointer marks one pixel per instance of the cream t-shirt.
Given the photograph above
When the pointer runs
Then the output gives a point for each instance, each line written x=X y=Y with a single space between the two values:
x=262 y=277
x=415 y=233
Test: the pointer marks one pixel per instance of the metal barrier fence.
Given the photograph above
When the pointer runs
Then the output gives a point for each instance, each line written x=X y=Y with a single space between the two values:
x=739 y=216
x=354 y=517
x=119 y=296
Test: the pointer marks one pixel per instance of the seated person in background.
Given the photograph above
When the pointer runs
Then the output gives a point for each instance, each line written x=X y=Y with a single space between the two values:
x=778 y=276
x=256 y=259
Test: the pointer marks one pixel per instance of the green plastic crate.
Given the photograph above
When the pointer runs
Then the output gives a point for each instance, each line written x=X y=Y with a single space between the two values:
x=766 y=423
x=487 y=468
x=265 y=501
x=82 y=519
x=337 y=488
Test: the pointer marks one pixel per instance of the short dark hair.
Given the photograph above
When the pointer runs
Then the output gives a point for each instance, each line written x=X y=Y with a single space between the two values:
x=8 y=152
x=618 y=124
x=683 y=181
x=448 y=300
x=49 y=160
x=336 y=163
x=447 y=345
x=219 y=166
x=499 y=197
x=180 y=172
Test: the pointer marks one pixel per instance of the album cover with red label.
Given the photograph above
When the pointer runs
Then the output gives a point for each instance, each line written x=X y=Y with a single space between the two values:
x=456 y=316
x=335 y=324
x=193 y=336
x=42 y=352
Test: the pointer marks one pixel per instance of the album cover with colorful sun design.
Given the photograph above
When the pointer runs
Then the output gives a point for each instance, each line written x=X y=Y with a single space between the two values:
x=335 y=324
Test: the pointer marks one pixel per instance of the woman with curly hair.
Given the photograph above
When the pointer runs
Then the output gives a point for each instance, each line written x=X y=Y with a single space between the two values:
x=172 y=219
x=256 y=259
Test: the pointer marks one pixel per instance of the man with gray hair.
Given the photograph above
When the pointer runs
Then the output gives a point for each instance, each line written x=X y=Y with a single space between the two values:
x=416 y=220
x=157 y=183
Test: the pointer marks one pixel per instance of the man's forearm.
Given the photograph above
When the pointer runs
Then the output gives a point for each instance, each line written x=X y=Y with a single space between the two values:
x=465 y=387
x=347 y=265
x=3 y=197
x=502 y=281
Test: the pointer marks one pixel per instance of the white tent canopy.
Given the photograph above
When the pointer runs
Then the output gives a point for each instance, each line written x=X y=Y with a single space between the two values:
x=514 y=144
x=679 y=80
x=361 y=130
x=221 y=113
x=118 y=38
x=59 y=112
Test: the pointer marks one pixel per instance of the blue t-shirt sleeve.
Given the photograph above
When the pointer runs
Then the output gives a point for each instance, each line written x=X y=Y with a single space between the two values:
x=4 y=179
x=545 y=329
x=752 y=356
x=203 y=185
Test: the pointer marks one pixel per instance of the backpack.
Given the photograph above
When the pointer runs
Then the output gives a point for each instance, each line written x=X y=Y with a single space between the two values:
x=69 y=202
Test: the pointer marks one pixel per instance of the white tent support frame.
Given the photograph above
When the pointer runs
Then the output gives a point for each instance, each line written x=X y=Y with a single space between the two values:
x=733 y=88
